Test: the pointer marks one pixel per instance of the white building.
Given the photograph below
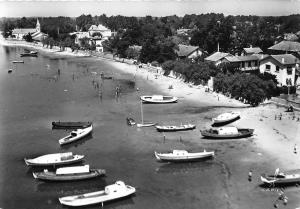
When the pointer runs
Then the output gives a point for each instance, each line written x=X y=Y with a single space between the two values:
x=36 y=34
x=284 y=66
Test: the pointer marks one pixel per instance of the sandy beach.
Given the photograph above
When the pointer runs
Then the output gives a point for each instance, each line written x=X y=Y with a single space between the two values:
x=272 y=146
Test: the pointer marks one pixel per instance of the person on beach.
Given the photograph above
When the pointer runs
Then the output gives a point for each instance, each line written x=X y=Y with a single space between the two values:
x=250 y=175
x=295 y=149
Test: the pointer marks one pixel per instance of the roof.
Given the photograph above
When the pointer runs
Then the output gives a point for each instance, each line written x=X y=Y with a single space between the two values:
x=98 y=28
x=247 y=58
x=186 y=50
x=284 y=59
x=290 y=46
x=23 y=30
x=290 y=37
x=217 y=56
x=39 y=36
x=253 y=50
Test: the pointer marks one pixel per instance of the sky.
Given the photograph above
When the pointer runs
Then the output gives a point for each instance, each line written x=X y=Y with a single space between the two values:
x=74 y=8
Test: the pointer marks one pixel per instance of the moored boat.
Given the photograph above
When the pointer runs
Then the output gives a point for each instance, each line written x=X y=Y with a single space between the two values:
x=183 y=155
x=18 y=61
x=29 y=54
x=9 y=70
x=130 y=121
x=69 y=173
x=184 y=127
x=159 y=99
x=54 y=159
x=111 y=192
x=280 y=178
x=227 y=132
x=226 y=118
x=70 y=125
x=76 y=135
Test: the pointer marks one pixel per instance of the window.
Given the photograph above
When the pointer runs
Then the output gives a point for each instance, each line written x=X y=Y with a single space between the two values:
x=277 y=69
x=289 y=70
x=249 y=64
x=255 y=63
x=268 y=67
x=243 y=64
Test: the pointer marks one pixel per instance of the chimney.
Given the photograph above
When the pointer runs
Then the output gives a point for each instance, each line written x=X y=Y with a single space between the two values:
x=261 y=56
x=282 y=59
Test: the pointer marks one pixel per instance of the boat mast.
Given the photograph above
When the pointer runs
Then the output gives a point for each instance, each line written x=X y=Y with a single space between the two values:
x=142 y=112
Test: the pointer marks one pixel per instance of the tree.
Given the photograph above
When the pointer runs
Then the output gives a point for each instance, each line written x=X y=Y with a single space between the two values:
x=28 y=38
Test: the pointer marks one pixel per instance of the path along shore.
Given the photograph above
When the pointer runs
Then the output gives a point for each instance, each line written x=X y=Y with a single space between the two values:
x=276 y=131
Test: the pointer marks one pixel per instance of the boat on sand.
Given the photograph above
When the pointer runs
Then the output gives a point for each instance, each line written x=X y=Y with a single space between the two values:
x=181 y=127
x=280 y=178
x=183 y=156
x=76 y=135
x=69 y=173
x=110 y=192
x=70 y=125
x=54 y=159
x=226 y=118
x=159 y=99
x=227 y=132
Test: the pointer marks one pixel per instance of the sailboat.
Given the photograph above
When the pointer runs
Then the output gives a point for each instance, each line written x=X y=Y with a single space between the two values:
x=143 y=124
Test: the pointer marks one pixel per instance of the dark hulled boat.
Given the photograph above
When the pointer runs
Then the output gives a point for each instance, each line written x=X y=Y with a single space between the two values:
x=70 y=125
x=29 y=54
x=185 y=127
x=227 y=133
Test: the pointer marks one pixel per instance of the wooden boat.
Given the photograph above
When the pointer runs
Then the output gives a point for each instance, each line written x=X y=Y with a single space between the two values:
x=226 y=118
x=130 y=121
x=183 y=156
x=280 y=178
x=176 y=128
x=144 y=124
x=111 y=192
x=54 y=159
x=159 y=99
x=227 y=132
x=18 y=61
x=29 y=54
x=70 y=125
x=69 y=173
x=76 y=135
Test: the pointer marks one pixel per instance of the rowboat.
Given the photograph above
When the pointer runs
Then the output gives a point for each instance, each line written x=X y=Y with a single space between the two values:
x=110 y=192
x=176 y=128
x=227 y=132
x=183 y=156
x=130 y=121
x=18 y=61
x=69 y=173
x=29 y=54
x=280 y=178
x=76 y=135
x=70 y=125
x=159 y=99
x=226 y=118
x=54 y=159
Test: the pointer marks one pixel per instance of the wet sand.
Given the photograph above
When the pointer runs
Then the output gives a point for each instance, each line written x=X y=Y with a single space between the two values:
x=34 y=95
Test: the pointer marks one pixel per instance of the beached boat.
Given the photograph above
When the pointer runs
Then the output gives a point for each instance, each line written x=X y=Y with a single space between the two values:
x=9 y=70
x=29 y=54
x=18 y=61
x=183 y=155
x=130 y=121
x=226 y=118
x=227 y=132
x=144 y=124
x=54 y=159
x=111 y=192
x=159 y=99
x=69 y=173
x=280 y=178
x=184 y=127
x=70 y=125
x=76 y=135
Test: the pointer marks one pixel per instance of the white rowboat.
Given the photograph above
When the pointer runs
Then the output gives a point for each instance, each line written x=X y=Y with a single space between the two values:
x=182 y=156
x=111 y=192
x=76 y=135
x=226 y=118
x=159 y=99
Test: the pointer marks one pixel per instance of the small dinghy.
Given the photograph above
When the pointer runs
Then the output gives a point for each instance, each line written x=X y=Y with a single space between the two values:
x=111 y=192
x=54 y=159
x=226 y=118
x=29 y=54
x=70 y=125
x=76 y=135
x=130 y=121
x=69 y=173
x=18 y=61
x=227 y=132
x=159 y=99
x=176 y=128
x=280 y=178
x=183 y=156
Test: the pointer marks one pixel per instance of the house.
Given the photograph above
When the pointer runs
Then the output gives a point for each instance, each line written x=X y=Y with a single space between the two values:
x=245 y=63
x=283 y=66
x=187 y=51
x=286 y=46
x=100 y=30
x=183 y=31
x=251 y=50
x=217 y=57
x=36 y=34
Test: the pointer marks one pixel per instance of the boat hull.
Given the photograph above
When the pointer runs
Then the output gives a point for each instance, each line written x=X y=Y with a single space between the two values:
x=224 y=122
x=54 y=162
x=69 y=139
x=140 y=125
x=174 y=128
x=165 y=100
x=279 y=181
x=28 y=55
x=70 y=125
x=179 y=159
x=52 y=176
x=242 y=133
